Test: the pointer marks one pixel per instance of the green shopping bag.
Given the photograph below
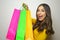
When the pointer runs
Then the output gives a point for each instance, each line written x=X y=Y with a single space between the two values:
x=21 y=26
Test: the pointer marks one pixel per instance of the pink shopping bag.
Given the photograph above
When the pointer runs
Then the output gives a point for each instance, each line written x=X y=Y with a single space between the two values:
x=13 y=25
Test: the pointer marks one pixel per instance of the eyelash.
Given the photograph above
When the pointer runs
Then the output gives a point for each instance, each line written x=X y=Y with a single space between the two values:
x=42 y=10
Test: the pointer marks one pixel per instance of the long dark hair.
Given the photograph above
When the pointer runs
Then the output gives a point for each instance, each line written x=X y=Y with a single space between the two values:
x=46 y=23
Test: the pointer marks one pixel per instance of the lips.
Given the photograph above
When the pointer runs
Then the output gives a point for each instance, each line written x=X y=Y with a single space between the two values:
x=40 y=16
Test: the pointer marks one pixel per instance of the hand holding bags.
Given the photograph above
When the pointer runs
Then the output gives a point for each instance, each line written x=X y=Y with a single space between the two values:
x=13 y=25
x=24 y=30
x=29 y=30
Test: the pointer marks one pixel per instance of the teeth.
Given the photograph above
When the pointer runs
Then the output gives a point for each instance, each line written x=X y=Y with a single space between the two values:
x=40 y=16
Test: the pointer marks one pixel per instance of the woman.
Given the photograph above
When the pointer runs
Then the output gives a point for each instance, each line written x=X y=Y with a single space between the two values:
x=42 y=25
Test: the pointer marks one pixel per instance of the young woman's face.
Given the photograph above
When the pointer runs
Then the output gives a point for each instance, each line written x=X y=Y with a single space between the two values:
x=41 y=14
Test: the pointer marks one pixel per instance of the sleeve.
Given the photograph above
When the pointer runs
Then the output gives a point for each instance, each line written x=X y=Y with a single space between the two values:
x=33 y=21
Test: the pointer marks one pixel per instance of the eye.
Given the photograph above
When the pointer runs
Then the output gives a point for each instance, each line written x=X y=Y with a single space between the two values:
x=42 y=10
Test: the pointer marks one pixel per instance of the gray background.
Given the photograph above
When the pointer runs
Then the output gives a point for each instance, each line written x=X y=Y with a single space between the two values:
x=7 y=8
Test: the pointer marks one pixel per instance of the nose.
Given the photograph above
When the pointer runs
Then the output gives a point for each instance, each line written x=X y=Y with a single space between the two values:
x=39 y=13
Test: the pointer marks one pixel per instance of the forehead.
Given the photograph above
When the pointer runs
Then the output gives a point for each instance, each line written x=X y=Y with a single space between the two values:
x=41 y=7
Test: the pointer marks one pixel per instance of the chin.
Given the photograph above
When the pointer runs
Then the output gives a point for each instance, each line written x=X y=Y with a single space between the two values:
x=40 y=19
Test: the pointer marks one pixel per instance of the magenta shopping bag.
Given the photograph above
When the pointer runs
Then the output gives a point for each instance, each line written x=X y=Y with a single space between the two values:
x=13 y=25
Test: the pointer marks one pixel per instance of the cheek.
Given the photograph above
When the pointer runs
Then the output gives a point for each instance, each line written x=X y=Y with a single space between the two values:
x=44 y=15
x=37 y=14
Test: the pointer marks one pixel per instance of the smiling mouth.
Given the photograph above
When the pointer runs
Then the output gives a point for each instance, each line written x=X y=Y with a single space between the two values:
x=40 y=16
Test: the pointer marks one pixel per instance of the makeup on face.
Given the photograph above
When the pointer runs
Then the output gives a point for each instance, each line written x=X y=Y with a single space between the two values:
x=41 y=13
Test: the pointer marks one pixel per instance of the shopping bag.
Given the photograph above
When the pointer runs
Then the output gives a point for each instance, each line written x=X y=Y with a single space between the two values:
x=21 y=26
x=13 y=25
x=29 y=30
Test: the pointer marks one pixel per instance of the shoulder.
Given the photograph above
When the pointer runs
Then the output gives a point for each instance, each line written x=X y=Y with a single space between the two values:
x=33 y=21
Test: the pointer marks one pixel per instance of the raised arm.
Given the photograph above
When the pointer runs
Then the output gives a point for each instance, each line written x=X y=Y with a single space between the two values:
x=26 y=7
